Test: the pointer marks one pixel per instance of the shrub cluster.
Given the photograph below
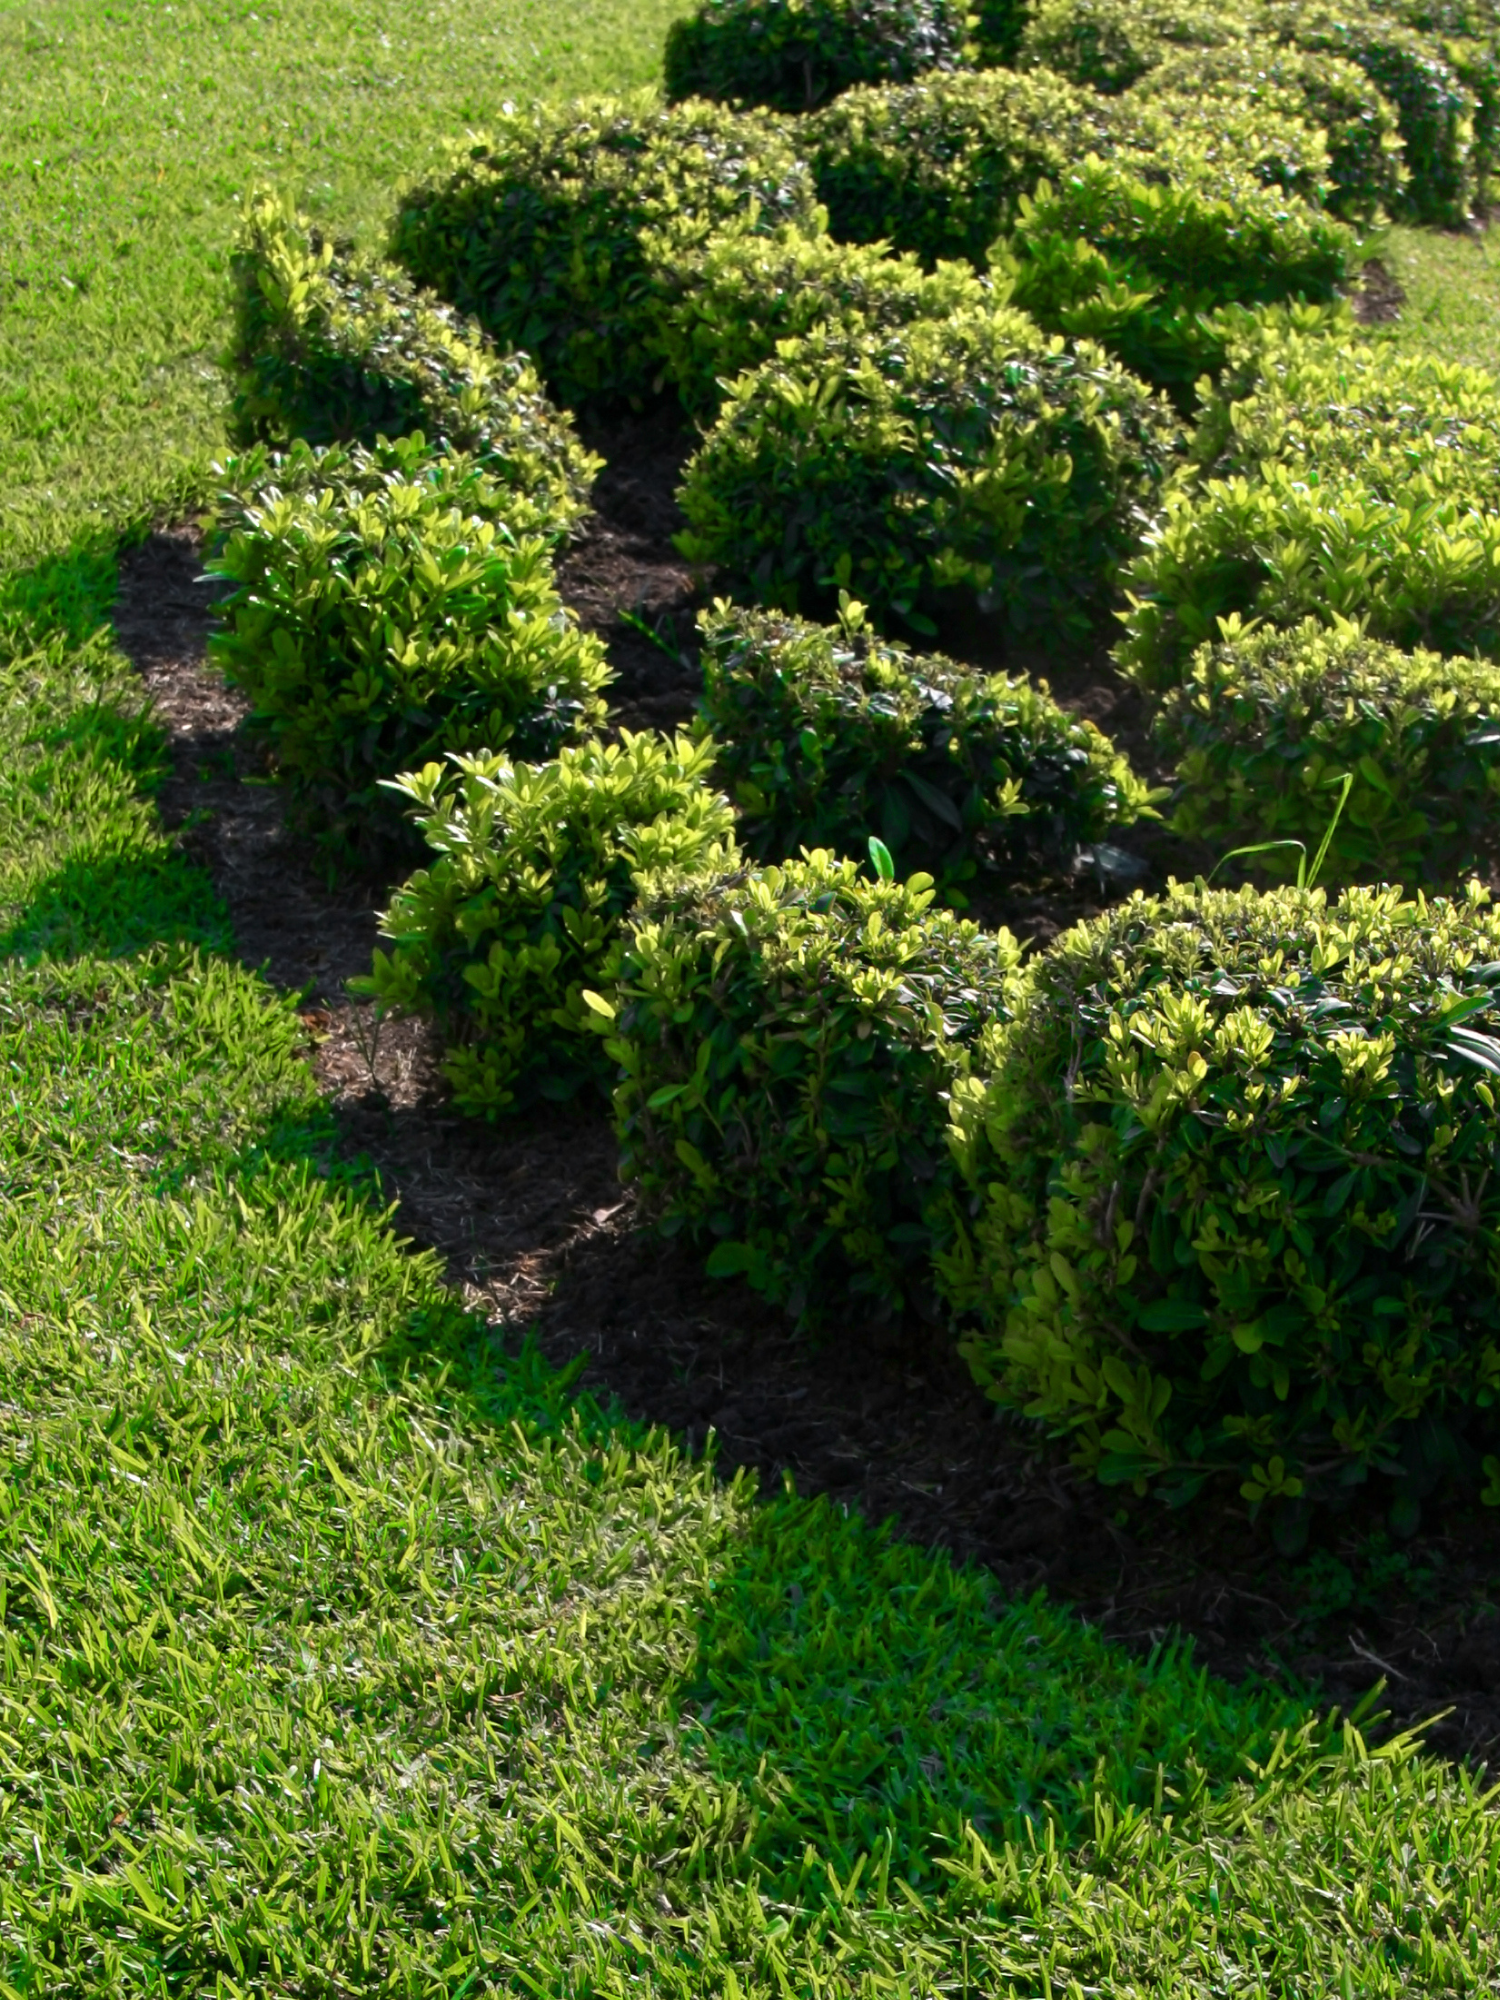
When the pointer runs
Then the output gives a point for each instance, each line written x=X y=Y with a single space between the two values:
x=970 y=452
x=1232 y=1202
x=520 y=914
x=337 y=349
x=1108 y=45
x=540 y=227
x=829 y=734
x=388 y=606
x=793 y=54
x=1266 y=725
x=787 y=1039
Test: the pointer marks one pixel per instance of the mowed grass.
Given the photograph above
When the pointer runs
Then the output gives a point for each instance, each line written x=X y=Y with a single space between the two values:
x=1452 y=286
x=129 y=133
x=346 y=1650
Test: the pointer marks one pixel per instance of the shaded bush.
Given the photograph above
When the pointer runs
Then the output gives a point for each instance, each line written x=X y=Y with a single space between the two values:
x=540 y=227
x=938 y=168
x=1266 y=725
x=388 y=606
x=787 y=1040
x=971 y=452
x=338 y=349
x=1232 y=1210
x=520 y=913
x=1108 y=45
x=729 y=305
x=793 y=54
x=829 y=734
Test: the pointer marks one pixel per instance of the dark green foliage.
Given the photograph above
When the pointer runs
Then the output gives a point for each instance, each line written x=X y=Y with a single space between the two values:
x=794 y=54
x=1244 y=80
x=520 y=914
x=1352 y=481
x=726 y=307
x=827 y=735
x=1143 y=265
x=787 y=1039
x=971 y=453
x=1108 y=45
x=938 y=168
x=1433 y=106
x=1233 y=1208
x=998 y=27
x=386 y=607
x=337 y=349
x=1266 y=725
x=541 y=227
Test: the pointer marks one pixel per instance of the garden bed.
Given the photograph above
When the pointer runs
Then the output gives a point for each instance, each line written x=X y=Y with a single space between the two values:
x=537 y=1231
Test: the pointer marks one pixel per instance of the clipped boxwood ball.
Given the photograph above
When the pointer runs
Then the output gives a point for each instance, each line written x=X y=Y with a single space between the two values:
x=794 y=54
x=1233 y=1211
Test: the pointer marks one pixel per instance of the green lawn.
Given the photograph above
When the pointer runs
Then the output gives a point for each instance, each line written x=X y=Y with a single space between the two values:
x=345 y=1649
x=1452 y=286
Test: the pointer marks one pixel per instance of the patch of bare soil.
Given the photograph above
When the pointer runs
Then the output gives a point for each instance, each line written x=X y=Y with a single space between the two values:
x=1379 y=296
x=536 y=1230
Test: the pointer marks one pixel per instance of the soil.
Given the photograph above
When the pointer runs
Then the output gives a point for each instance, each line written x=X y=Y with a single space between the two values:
x=537 y=1232
x=1379 y=297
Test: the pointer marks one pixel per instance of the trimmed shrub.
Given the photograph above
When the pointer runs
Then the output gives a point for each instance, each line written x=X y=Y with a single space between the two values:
x=337 y=349
x=1232 y=1204
x=538 y=227
x=1266 y=725
x=972 y=452
x=1143 y=266
x=793 y=54
x=1434 y=108
x=829 y=734
x=1366 y=170
x=1108 y=45
x=938 y=168
x=388 y=606
x=733 y=302
x=787 y=1040
x=520 y=914
x=998 y=27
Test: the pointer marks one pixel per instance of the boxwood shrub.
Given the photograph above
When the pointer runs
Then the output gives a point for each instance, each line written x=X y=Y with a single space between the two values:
x=538 y=227
x=727 y=306
x=385 y=607
x=1266 y=724
x=338 y=349
x=972 y=452
x=793 y=54
x=1233 y=1205
x=937 y=168
x=1108 y=45
x=520 y=912
x=1244 y=79
x=828 y=734
x=787 y=1040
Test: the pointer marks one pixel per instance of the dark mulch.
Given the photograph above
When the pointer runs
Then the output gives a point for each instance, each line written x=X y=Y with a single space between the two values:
x=1379 y=296
x=535 y=1228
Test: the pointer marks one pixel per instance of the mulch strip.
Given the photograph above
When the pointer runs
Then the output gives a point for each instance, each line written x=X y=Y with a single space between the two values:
x=534 y=1227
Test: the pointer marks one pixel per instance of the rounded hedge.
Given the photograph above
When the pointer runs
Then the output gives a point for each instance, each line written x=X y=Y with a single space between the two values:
x=827 y=734
x=792 y=55
x=1233 y=1209
x=1267 y=724
x=387 y=607
x=539 y=226
x=1107 y=45
x=973 y=453
x=787 y=1039
x=520 y=914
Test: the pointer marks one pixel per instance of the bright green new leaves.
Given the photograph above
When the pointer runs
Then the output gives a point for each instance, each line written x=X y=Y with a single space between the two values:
x=787 y=1040
x=974 y=452
x=1267 y=724
x=727 y=305
x=793 y=54
x=827 y=734
x=339 y=350
x=537 y=226
x=389 y=606
x=520 y=914
x=1231 y=1159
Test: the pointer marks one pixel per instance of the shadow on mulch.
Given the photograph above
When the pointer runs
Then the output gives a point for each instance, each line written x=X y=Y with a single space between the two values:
x=537 y=1232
